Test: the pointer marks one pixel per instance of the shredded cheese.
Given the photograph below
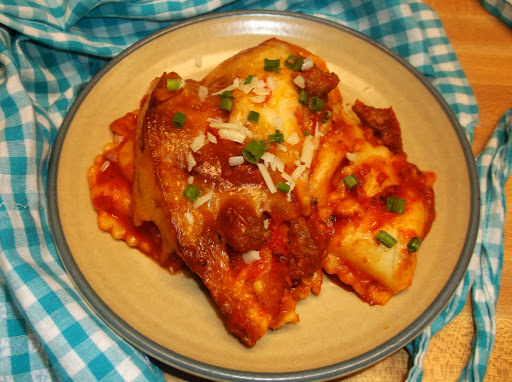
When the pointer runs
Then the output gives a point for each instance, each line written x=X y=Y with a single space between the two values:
x=202 y=93
x=258 y=99
x=308 y=148
x=300 y=82
x=299 y=170
x=232 y=135
x=236 y=161
x=271 y=83
x=191 y=162
x=189 y=217
x=352 y=157
x=198 y=142
x=202 y=200
x=307 y=64
x=267 y=178
x=233 y=86
x=190 y=179
x=211 y=138
x=293 y=139
x=251 y=256
x=104 y=165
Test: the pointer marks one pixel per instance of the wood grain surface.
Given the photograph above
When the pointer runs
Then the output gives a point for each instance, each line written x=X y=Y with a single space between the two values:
x=483 y=45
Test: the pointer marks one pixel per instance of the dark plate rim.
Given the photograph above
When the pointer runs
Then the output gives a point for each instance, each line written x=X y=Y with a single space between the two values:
x=205 y=370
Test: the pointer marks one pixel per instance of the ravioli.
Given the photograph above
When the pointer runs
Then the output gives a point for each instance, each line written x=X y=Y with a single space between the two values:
x=241 y=178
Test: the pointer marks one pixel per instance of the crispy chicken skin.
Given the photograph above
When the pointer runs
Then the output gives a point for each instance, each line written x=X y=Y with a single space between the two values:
x=243 y=213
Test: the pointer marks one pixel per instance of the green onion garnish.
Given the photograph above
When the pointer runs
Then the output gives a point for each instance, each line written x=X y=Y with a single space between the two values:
x=307 y=133
x=414 y=244
x=173 y=84
x=191 y=192
x=227 y=94
x=394 y=204
x=351 y=181
x=253 y=151
x=179 y=119
x=282 y=186
x=294 y=63
x=248 y=79
x=253 y=116
x=316 y=103
x=272 y=65
x=226 y=104
x=303 y=97
x=278 y=137
x=386 y=239
x=264 y=144
x=326 y=115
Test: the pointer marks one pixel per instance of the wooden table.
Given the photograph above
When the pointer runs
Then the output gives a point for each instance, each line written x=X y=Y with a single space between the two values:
x=483 y=45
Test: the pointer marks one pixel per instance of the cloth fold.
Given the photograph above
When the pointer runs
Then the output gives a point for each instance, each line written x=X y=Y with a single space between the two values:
x=50 y=49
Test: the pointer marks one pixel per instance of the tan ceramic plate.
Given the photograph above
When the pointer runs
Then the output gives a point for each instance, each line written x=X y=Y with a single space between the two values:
x=172 y=318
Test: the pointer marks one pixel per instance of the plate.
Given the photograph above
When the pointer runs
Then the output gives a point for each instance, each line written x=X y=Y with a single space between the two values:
x=172 y=318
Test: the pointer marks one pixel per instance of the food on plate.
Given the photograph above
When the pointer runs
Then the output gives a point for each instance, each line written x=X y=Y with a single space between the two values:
x=257 y=180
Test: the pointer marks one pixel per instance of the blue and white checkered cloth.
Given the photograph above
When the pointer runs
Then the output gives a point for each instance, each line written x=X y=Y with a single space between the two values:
x=49 y=49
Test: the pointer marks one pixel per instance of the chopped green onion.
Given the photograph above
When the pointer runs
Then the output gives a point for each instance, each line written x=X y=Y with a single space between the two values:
x=303 y=97
x=394 y=204
x=307 y=133
x=264 y=144
x=272 y=65
x=316 y=103
x=294 y=63
x=253 y=116
x=278 y=137
x=282 y=186
x=351 y=181
x=248 y=79
x=227 y=94
x=226 y=104
x=414 y=244
x=386 y=239
x=326 y=115
x=253 y=151
x=192 y=192
x=179 y=119
x=173 y=84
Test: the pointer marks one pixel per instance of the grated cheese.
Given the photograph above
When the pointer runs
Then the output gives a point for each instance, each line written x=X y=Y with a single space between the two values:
x=258 y=99
x=211 y=138
x=299 y=170
x=216 y=124
x=198 y=142
x=104 y=166
x=190 y=179
x=308 y=148
x=189 y=217
x=251 y=256
x=233 y=86
x=265 y=223
x=202 y=93
x=232 y=135
x=202 y=200
x=293 y=139
x=191 y=162
x=267 y=178
x=352 y=157
x=271 y=83
x=300 y=82
x=236 y=161
x=307 y=64
x=282 y=147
